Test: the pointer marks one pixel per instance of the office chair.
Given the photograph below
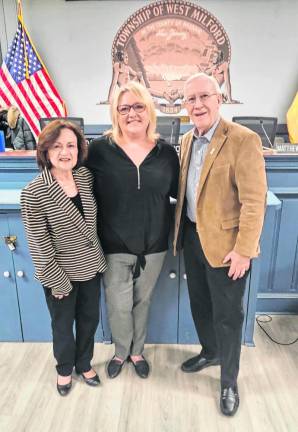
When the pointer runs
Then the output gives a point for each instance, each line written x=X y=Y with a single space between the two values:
x=79 y=121
x=169 y=129
x=265 y=127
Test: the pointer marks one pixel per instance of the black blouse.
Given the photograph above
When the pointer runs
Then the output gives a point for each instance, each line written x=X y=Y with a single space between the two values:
x=134 y=203
x=78 y=203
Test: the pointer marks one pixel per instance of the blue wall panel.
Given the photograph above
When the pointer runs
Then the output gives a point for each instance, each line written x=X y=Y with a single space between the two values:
x=278 y=287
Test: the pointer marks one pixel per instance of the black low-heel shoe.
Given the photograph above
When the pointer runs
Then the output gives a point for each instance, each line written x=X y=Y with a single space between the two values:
x=229 y=400
x=141 y=367
x=93 y=381
x=114 y=367
x=197 y=363
x=64 y=389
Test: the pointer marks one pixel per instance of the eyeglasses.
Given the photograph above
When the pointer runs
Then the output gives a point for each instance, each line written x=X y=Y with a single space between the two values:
x=204 y=97
x=138 y=107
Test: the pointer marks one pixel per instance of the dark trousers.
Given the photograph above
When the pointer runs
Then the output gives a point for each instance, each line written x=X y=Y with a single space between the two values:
x=217 y=307
x=81 y=307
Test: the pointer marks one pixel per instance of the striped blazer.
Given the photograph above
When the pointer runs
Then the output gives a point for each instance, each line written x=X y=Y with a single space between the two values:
x=63 y=244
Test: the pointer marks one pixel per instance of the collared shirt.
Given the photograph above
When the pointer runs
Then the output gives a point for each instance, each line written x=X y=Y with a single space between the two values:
x=198 y=154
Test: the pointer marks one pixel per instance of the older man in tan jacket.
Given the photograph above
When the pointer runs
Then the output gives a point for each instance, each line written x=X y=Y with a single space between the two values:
x=220 y=209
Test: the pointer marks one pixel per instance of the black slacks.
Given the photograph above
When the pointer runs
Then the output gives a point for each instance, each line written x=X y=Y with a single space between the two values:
x=81 y=307
x=216 y=303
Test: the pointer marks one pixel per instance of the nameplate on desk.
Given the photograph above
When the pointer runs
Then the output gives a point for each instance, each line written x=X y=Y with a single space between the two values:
x=287 y=148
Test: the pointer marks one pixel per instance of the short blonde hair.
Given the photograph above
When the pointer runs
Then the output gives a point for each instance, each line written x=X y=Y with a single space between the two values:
x=203 y=75
x=145 y=97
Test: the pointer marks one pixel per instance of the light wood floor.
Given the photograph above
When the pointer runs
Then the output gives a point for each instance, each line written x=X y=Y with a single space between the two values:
x=169 y=401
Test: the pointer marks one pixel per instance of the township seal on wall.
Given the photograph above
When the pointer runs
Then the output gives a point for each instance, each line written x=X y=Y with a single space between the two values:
x=165 y=42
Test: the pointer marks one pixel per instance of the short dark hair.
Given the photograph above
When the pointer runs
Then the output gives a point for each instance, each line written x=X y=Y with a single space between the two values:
x=50 y=134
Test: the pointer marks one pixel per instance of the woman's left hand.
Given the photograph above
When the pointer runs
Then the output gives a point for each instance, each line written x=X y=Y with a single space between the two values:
x=60 y=296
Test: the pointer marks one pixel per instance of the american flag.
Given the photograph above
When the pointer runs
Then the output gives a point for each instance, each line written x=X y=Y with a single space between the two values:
x=25 y=82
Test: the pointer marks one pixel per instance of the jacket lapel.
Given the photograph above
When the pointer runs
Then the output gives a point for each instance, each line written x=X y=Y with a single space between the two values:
x=85 y=194
x=214 y=147
x=58 y=195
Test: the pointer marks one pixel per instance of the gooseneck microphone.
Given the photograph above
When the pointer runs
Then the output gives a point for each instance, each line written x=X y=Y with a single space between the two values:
x=265 y=133
x=172 y=132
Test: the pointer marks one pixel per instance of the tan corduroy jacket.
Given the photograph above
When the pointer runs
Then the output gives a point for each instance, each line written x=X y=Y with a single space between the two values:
x=231 y=193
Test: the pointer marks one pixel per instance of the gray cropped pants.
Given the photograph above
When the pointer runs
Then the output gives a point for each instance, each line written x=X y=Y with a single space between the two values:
x=128 y=299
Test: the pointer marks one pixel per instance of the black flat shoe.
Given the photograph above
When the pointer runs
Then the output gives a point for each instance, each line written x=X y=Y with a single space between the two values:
x=141 y=367
x=114 y=367
x=229 y=400
x=64 y=389
x=93 y=381
x=197 y=363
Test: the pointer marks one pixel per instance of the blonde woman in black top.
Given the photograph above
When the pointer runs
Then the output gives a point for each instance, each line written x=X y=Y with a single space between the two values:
x=135 y=174
x=59 y=214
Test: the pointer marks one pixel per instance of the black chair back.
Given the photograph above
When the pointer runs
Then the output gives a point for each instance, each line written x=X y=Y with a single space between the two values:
x=79 y=121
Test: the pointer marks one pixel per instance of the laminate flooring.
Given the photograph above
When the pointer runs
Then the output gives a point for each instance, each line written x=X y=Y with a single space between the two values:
x=168 y=401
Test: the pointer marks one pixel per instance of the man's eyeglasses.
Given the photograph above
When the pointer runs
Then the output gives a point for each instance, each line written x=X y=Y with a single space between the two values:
x=138 y=107
x=204 y=97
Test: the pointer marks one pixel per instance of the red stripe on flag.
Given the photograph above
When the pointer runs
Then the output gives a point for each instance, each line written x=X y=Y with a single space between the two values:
x=53 y=88
x=20 y=103
x=5 y=98
x=59 y=103
x=44 y=90
x=27 y=96
x=44 y=108
x=39 y=100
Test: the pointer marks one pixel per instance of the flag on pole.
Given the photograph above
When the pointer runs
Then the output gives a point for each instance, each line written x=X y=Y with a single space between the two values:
x=26 y=83
x=292 y=121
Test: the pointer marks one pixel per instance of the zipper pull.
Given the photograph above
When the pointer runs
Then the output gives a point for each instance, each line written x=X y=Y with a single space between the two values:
x=139 y=179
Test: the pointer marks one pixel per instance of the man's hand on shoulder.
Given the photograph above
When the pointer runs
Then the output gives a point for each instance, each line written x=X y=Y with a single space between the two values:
x=239 y=264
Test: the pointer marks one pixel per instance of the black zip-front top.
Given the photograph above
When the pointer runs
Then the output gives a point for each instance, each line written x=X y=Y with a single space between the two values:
x=134 y=203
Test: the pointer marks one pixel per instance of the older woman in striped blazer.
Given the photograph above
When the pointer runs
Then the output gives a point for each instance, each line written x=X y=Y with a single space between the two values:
x=59 y=214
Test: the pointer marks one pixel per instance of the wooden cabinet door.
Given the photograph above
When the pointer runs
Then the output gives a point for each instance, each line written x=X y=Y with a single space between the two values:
x=34 y=313
x=187 y=333
x=163 y=317
x=10 y=323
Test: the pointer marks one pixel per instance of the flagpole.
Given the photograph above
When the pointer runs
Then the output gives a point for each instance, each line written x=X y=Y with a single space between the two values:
x=25 y=32
x=20 y=17
x=29 y=38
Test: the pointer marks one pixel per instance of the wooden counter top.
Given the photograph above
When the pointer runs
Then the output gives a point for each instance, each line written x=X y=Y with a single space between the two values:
x=18 y=153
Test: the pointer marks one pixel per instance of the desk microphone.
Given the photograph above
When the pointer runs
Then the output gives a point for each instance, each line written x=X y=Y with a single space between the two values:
x=172 y=131
x=267 y=137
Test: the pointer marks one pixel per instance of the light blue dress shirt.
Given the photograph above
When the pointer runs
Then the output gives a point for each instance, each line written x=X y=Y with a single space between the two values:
x=198 y=154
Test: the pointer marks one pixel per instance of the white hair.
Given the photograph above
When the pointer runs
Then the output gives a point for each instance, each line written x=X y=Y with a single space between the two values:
x=204 y=75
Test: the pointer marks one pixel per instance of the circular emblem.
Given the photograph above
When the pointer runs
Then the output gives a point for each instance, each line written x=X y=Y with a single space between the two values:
x=164 y=43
